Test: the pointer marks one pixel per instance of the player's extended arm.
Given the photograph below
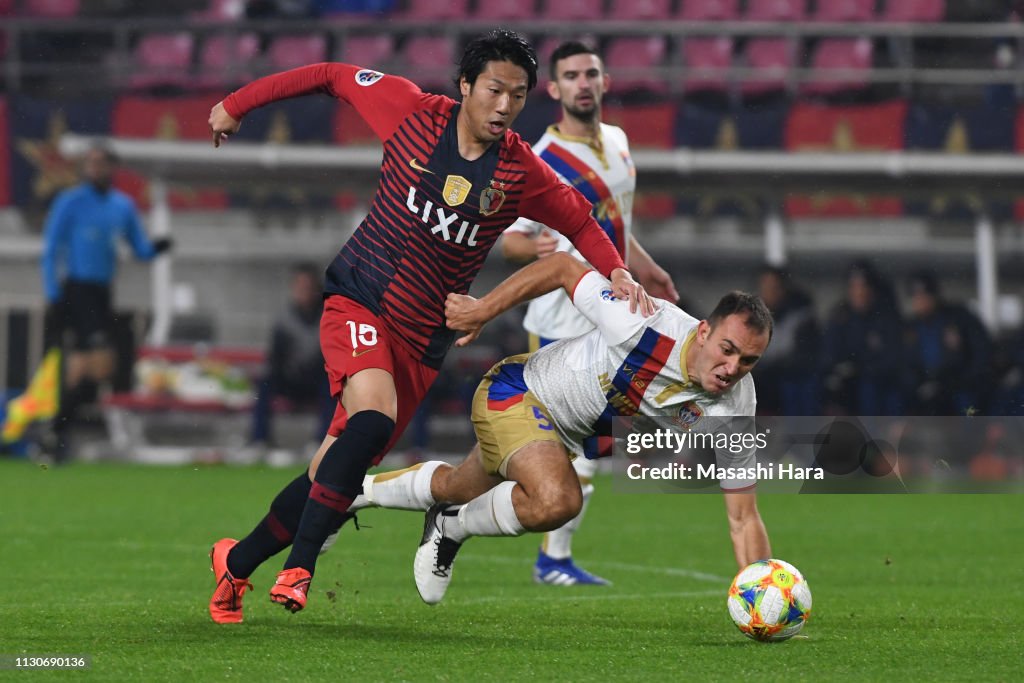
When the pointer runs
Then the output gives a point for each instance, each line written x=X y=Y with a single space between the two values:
x=468 y=314
x=653 y=277
x=520 y=247
x=749 y=537
x=55 y=239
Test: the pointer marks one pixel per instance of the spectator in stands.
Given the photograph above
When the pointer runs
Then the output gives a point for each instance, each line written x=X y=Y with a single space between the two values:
x=295 y=366
x=949 y=352
x=78 y=265
x=862 y=348
x=787 y=377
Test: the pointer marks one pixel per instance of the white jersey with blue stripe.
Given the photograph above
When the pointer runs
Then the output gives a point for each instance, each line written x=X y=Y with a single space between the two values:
x=605 y=174
x=628 y=365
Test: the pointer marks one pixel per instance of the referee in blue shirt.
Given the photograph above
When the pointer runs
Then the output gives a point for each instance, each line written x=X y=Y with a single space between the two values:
x=78 y=264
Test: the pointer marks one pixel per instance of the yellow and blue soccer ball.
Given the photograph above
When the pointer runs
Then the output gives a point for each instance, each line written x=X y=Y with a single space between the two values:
x=769 y=600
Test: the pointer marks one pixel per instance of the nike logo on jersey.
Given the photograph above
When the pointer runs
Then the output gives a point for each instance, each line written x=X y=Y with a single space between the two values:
x=416 y=165
x=445 y=222
x=356 y=354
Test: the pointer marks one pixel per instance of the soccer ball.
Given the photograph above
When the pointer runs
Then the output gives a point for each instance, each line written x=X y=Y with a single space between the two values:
x=769 y=600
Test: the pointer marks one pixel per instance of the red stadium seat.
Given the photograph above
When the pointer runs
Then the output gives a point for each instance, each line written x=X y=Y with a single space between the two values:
x=163 y=59
x=52 y=9
x=913 y=10
x=370 y=51
x=773 y=58
x=225 y=60
x=844 y=10
x=852 y=55
x=776 y=10
x=572 y=10
x=712 y=55
x=708 y=10
x=423 y=10
x=632 y=61
x=498 y=10
x=289 y=52
x=429 y=62
x=221 y=10
x=640 y=10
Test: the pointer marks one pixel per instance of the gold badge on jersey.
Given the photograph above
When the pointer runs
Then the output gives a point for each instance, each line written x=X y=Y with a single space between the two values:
x=491 y=200
x=456 y=189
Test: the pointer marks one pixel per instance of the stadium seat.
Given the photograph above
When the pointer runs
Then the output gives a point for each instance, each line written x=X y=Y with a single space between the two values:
x=913 y=10
x=853 y=55
x=429 y=62
x=572 y=10
x=844 y=10
x=163 y=60
x=712 y=54
x=369 y=51
x=289 y=52
x=708 y=10
x=226 y=60
x=640 y=10
x=424 y=10
x=498 y=10
x=773 y=58
x=776 y=10
x=220 y=11
x=51 y=9
x=632 y=63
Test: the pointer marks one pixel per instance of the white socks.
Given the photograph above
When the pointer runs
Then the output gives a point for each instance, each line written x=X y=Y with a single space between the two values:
x=558 y=543
x=407 y=489
x=491 y=514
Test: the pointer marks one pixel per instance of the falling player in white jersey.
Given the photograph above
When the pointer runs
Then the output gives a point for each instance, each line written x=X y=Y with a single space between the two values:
x=593 y=157
x=533 y=413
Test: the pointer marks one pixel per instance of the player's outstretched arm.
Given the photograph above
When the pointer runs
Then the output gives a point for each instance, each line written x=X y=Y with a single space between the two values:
x=749 y=537
x=520 y=247
x=468 y=314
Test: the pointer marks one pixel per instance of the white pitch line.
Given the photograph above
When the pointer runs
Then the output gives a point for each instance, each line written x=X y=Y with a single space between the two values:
x=590 y=597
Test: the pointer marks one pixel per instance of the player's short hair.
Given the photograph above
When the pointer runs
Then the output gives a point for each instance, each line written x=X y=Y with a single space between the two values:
x=569 y=48
x=758 y=317
x=500 y=45
x=104 y=148
x=307 y=268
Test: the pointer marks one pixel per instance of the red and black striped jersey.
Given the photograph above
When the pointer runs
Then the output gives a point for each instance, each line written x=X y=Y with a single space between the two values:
x=435 y=215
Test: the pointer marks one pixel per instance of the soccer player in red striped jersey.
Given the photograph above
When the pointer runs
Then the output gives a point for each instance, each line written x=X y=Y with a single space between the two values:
x=454 y=176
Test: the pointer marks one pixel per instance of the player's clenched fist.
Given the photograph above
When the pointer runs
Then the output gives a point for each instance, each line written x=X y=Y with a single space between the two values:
x=222 y=124
x=467 y=314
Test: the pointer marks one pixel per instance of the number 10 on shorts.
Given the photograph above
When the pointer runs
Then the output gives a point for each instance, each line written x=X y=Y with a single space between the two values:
x=363 y=334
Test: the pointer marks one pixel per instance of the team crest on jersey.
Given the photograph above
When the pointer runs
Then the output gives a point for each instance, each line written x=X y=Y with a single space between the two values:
x=607 y=295
x=689 y=414
x=491 y=200
x=456 y=189
x=365 y=77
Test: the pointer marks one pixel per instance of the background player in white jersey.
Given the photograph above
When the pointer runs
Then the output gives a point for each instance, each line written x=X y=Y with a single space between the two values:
x=532 y=412
x=593 y=157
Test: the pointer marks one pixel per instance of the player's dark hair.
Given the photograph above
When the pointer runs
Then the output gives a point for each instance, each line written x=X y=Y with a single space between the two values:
x=307 y=268
x=107 y=150
x=925 y=281
x=758 y=317
x=500 y=45
x=569 y=48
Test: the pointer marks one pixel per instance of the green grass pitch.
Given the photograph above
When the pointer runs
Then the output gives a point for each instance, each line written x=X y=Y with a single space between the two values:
x=111 y=561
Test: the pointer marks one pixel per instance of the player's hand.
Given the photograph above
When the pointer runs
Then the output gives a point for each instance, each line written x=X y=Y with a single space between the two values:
x=625 y=287
x=546 y=243
x=464 y=313
x=659 y=283
x=222 y=124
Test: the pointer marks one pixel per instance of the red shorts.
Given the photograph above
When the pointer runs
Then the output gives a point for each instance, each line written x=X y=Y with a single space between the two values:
x=353 y=339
